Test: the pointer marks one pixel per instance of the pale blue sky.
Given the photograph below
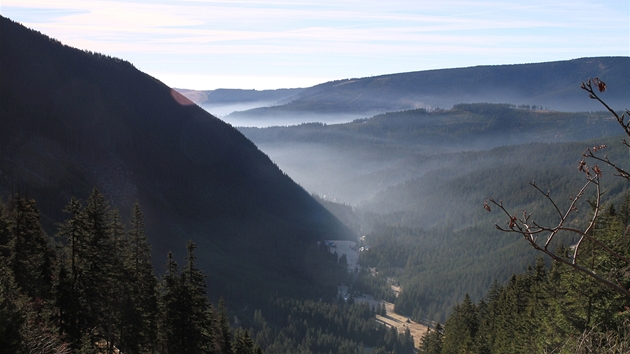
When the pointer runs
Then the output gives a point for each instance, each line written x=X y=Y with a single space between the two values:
x=262 y=44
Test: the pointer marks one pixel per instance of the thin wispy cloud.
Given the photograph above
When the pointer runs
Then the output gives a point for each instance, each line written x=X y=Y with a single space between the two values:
x=327 y=39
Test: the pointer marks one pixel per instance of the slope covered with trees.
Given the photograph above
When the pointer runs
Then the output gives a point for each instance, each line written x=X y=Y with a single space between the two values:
x=92 y=288
x=354 y=161
x=72 y=120
x=548 y=309
x=549 y=85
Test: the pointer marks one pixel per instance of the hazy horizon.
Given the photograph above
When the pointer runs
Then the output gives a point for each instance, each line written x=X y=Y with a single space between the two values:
x=207 y=44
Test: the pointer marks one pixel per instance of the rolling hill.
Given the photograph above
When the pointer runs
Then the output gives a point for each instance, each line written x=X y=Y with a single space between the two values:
x=354 y=161
x=550 y=85
x=74 y=120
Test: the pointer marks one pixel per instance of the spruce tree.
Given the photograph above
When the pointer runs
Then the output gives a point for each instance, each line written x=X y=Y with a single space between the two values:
x=30 y=257
x=225 y=338
x=173 y=321
x=70 y=299
x=461 y=328
x=431 y=342
x=140 y=311
x=199 y=309
x=100 y=274
x=11 y=316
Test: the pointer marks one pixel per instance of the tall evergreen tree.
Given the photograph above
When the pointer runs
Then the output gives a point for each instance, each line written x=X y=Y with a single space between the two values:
x=30 y=257
x=11 y=316
x=140 y=309
x=225 y=337
x=431 y=342
x=200 y=318
x=173 y=315
x=70 y=299
x=100 y=285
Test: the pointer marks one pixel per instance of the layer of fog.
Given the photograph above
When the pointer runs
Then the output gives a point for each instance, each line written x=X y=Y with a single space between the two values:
x=288 y=119
x=222 y=110
x=352 y=177
x=355 y=172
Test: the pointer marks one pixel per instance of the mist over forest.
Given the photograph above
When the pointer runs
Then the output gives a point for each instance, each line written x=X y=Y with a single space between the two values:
x=387 y=214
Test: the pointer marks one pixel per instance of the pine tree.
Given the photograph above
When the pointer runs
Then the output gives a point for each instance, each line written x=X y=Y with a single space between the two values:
x=11 y=316
x=100 y=275
x=225 y=338
x=173 y=321
x=200 y=329
x=432 y=341
x=243 y=344
x=30 y=257
x=139 y=323
x=461 y=328
x=70 y=299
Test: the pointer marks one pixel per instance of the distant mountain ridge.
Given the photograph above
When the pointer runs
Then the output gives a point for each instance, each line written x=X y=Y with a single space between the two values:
x=221 y=102
x=553 y=85
x=72 y=120
x=231 y=96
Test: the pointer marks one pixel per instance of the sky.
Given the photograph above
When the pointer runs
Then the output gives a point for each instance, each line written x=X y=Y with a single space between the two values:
x=270 y=44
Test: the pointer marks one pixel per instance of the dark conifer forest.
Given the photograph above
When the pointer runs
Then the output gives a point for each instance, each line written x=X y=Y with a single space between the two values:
x=72 y=120
x=133 y=221
x=548 y=309
x=91 y=288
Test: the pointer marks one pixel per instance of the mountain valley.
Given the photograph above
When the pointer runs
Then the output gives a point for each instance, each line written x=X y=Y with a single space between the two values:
x=274 y=189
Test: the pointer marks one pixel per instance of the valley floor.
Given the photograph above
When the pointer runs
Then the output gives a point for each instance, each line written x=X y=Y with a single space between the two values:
x=391 y=319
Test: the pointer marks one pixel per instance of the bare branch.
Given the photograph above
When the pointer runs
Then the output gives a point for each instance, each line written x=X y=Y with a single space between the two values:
x=620 y=172
x=531 y=231
x=533 y=184
x=588 y=87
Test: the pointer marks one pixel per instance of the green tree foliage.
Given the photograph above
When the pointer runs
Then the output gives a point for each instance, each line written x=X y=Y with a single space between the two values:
x=29 y=254
x=461 y=328
x=550 y=309
x=189 y=323
x=139 y=299
x=225 y=338
x=298 y=326
x=95 y=291
x=431 y=342
x=11 y=316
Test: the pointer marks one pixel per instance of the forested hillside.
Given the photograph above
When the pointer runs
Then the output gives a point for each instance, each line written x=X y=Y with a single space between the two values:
x=434 y=237
x=92 y=287
x=548 y=310
x=352 y=162
x=72 y=120
x=415 y=182
x=550 y=85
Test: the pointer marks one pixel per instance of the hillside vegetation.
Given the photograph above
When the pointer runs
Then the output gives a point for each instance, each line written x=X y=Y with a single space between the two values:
x=72 y=120
x=352 y=162
x=416 y=186
x=553 y=85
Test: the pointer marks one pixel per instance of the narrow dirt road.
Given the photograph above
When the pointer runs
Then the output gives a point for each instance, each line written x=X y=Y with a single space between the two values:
x=392 y=319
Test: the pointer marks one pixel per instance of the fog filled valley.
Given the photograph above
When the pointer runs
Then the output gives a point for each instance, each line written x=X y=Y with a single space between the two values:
x=339 y=218
x=416 y=189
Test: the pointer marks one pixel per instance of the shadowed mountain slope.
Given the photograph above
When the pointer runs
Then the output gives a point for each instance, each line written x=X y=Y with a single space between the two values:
x=72 y=120
x=550 y=85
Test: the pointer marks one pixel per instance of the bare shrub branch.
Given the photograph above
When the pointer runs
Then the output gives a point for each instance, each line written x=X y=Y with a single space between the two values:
x=532 y=231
